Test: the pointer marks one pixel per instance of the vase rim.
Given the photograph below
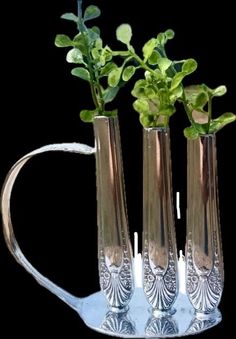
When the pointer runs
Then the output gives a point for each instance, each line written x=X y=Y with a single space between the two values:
x=104 y=117
x=159 y=129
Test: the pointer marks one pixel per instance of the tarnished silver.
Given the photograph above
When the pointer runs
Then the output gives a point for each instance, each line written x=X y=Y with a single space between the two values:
x=160 y=278
x=114 y=250
x=204 y=258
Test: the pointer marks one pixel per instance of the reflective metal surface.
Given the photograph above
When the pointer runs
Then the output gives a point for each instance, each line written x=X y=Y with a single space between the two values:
x=160 y=279
x=204 y=259
x=114 y=250
x=140 y=322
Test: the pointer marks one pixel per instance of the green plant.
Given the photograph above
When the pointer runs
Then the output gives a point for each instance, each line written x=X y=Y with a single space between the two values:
x=156 y=93
x=95 y=61
x=162 y=86
x=198 y=105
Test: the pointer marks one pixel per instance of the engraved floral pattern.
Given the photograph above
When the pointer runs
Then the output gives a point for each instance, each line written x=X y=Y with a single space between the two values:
x=204 y=287
x=160 y=286
x=116 y=282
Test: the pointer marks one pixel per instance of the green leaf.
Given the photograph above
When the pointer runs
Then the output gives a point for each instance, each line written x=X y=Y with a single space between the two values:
x=191 y=133
x=96 y=30
x=219 y=91
x=124 y=33
x=81 y=73
x=107 y=68
x=79 y=42
x=110 y=93
x=91 y=12
x=87 y=115
x=153 y=59
x=70 y=17
x=169 y=34
x=161 y=39
x=128 y=73
x=189 y=66
x=74 y=56
x=141 y=106
x=139 y=88
x=146 y=120
x=150 y=91
x=95 y=53
x=62 y=40
x=114 y=77
x=176 y=93
x=177 y=79
x=201 y=100
x=191 y=92
x=148 y=48
x=92 y=35
x=167 y=110
x=112 y=113
x=98 y=43
x=164 y=64
x=221 y=121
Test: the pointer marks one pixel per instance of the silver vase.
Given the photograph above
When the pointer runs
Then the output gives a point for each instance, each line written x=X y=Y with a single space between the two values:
x=204 y=259
x=114 y=250
x=160 y=279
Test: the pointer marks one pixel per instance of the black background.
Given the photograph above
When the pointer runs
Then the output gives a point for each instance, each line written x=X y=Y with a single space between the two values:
x=54 y=205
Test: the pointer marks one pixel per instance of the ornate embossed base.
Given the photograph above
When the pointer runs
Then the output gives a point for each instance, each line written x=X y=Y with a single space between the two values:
x=139 y=321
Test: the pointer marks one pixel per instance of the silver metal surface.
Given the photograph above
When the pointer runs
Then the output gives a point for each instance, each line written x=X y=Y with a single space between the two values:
x=140 y=322
x=160 y=279
x=204 y=259
x=114 y=250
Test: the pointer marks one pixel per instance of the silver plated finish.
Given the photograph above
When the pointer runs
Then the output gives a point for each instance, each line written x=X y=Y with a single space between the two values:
x=114 y=250
x=160 y=278
x=204 y=258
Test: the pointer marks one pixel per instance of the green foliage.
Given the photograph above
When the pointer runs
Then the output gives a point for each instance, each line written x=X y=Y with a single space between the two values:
x=124 y=33
x=158 y=89
x=199 y=109
x=161 y=86
x=99 y=69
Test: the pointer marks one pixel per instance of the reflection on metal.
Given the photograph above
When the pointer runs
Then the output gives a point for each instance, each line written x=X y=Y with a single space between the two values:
x=114 y=250
x=201 y=324
x=160 y=278
x=161 y=325
x=118 y=323
x=204 y=259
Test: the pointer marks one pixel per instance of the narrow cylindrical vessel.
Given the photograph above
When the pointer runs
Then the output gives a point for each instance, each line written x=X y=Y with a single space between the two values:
x=160 y=278
x=204 y=259
x=114 y=250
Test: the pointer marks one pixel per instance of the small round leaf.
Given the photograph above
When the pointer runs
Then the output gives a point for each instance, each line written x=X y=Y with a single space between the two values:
x=91 y=12
x=81 y=73
x=74 y=56
x=128 y=73
x=62 y=40
x=114 y=77
x=124 y=33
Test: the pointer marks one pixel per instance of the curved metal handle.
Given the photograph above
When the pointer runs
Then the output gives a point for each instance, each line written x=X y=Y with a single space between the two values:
x=7 y=223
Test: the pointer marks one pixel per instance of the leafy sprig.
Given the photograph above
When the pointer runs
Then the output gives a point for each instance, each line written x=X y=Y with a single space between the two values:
x=94 y=60
x=156 y=93
x=162 y=86
x=198 y=104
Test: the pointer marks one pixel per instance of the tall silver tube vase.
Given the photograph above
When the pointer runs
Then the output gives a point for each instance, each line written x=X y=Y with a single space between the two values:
x=204 y=259
x=114 y=250
x=160 y=278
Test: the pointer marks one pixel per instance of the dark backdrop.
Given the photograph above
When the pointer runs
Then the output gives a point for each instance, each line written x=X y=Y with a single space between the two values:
x=54 y=205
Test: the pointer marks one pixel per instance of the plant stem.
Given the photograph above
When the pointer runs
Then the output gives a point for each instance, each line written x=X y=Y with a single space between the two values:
x=209 y=113
x=94 y=84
